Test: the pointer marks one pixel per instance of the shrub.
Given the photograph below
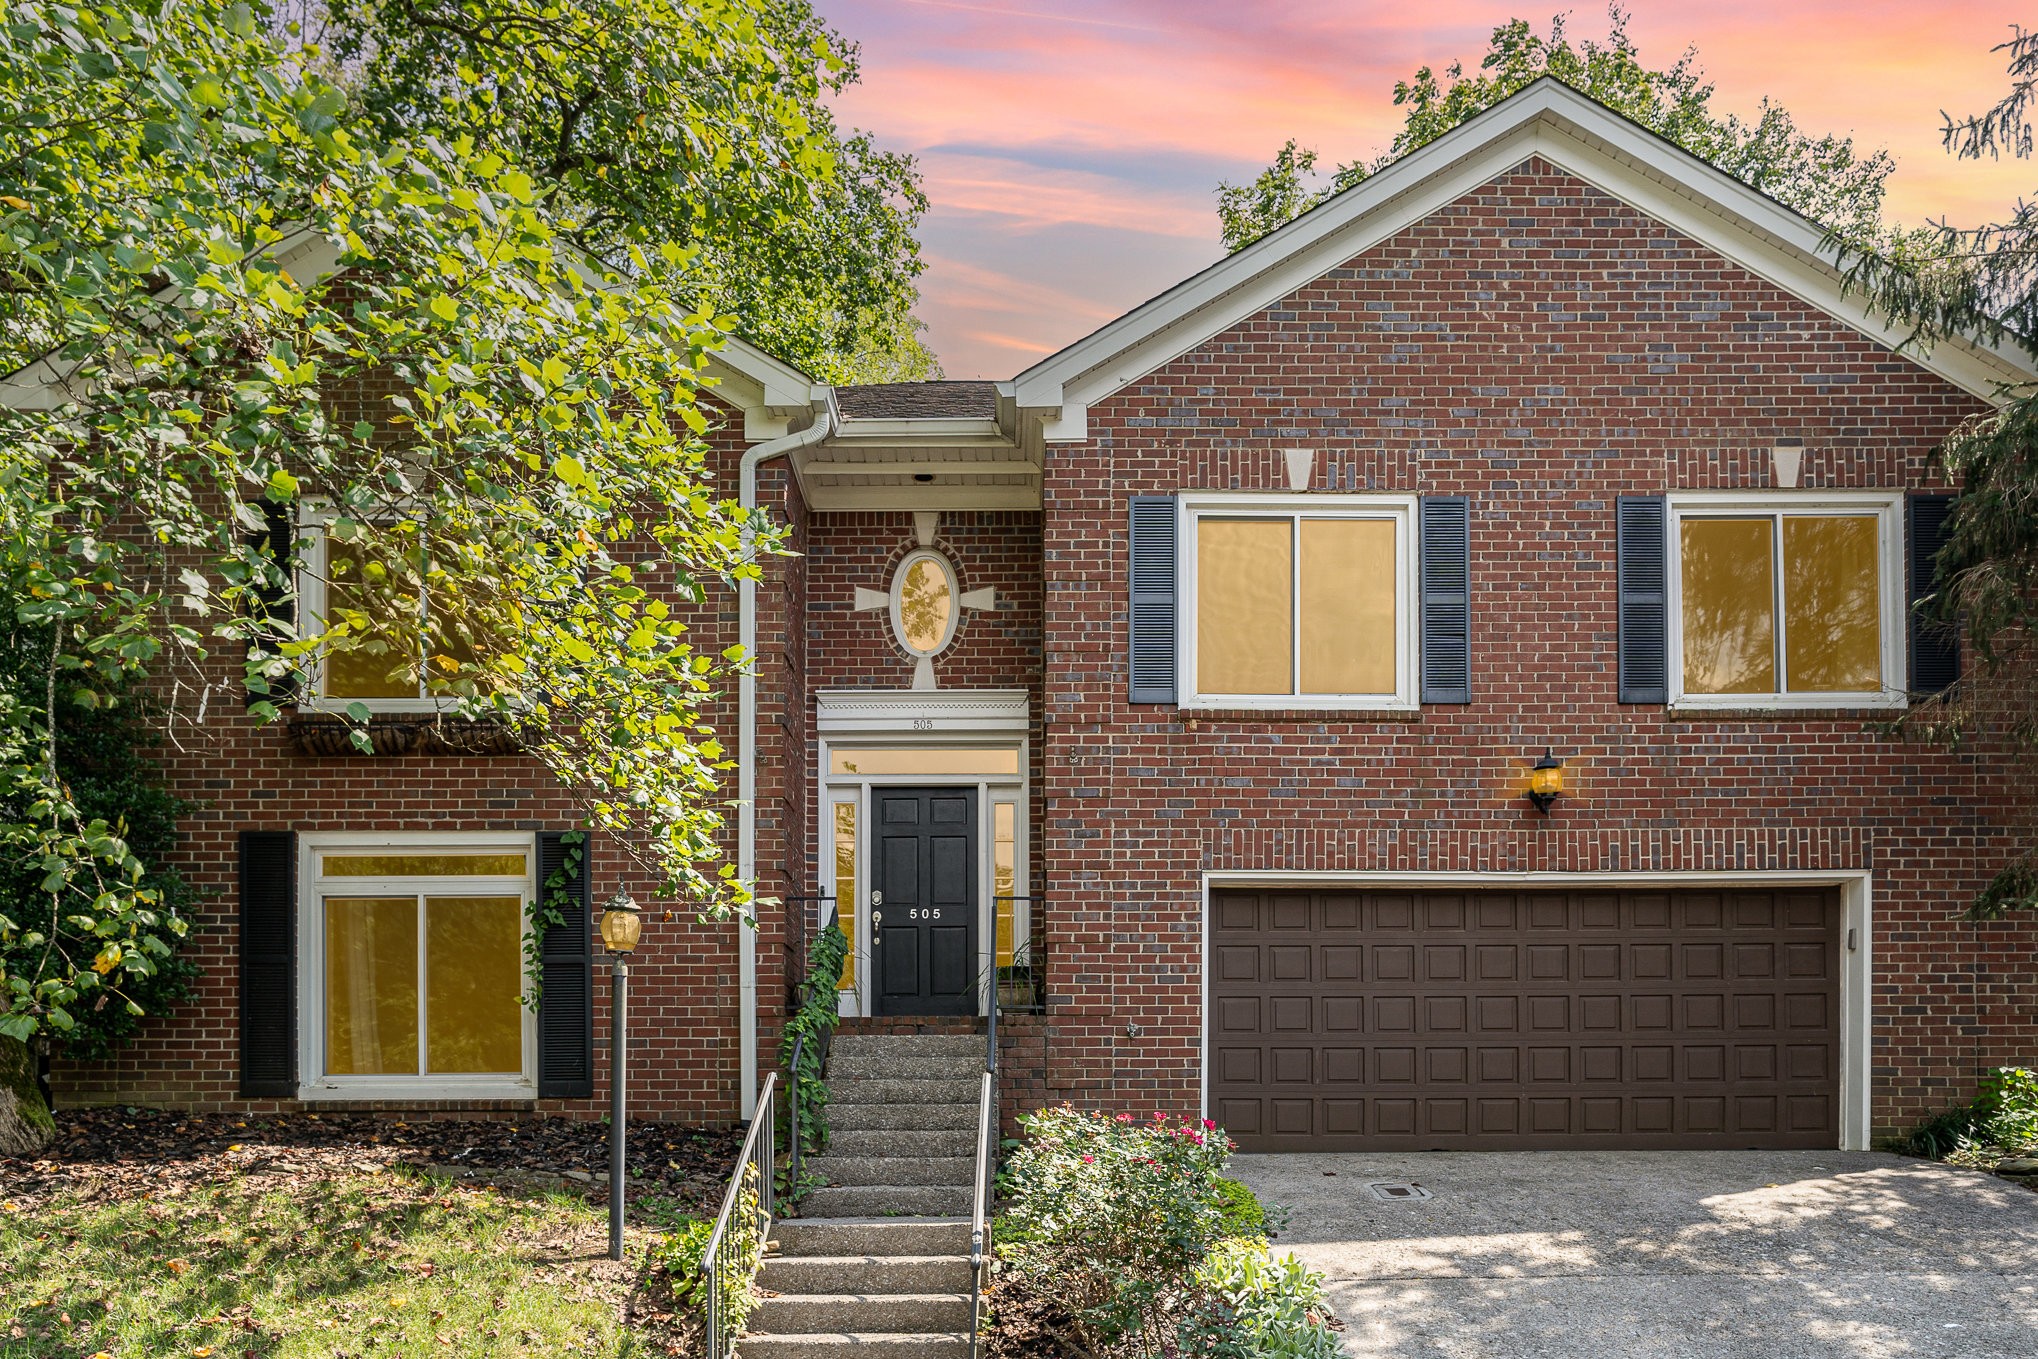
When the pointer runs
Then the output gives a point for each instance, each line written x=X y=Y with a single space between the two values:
x=684 y=1251
x=1111 y=1217
x=1245 y=1217
x=1248 y=1306
x=2003 y=1117
x=2007 y=1109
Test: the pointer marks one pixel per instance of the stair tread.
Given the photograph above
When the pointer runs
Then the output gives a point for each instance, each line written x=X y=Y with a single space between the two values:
x=872 y=1259
x=945 y=1296
x=936 y=1220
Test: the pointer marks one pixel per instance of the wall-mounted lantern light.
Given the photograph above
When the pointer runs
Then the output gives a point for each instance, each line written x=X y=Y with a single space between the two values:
x=1546 y=781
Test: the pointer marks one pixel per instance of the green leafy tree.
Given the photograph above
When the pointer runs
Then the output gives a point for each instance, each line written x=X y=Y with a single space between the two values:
x=1982 y=283
x=1822 y=177
x=536 y=479
x=702 y=123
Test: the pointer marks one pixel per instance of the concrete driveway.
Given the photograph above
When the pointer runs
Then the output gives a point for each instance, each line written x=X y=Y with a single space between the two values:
x=1620 y=1255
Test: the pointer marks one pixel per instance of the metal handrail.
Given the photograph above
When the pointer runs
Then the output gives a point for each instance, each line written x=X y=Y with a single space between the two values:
x=979 y=1230
x=762 y=1138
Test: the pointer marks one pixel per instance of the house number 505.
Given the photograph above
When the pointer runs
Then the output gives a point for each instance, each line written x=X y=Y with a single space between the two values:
x=923 y=724
x=924 y=913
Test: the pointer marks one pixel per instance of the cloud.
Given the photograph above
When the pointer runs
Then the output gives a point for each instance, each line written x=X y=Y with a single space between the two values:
x=1072 y=147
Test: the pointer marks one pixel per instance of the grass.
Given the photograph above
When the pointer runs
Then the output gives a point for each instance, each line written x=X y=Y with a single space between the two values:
x=377 y=1263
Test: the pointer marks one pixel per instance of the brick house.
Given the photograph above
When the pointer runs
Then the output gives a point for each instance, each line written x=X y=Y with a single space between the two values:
x=1185 y=692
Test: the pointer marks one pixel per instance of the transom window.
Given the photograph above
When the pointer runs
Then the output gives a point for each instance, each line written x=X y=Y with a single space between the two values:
x=1786 y=602
x=1298 y=601
x=413 y=970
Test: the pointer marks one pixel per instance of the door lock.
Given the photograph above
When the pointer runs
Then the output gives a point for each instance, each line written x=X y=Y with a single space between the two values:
x=877 y=898
x=877 y=917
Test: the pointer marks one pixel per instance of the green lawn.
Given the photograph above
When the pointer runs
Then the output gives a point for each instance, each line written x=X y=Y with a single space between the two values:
x=375 y=1263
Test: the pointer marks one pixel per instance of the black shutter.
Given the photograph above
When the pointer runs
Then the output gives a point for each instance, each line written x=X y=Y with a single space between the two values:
x=268 y=964
x=1935 y=644
x=566 y=994
x=1446 y=599
x=275 y=603
x=1153 y=599
x=1642 y=583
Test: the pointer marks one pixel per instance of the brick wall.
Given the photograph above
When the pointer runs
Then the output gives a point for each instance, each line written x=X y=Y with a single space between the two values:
x=1542 y=349
x=243 y=775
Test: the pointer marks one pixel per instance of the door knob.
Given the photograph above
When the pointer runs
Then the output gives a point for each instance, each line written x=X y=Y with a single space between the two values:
x=877 y=917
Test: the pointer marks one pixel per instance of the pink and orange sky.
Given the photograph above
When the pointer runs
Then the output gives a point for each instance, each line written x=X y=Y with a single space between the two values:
x=1072 y=148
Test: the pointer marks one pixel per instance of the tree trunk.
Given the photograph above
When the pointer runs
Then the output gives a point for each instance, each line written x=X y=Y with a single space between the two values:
x=25 y=1123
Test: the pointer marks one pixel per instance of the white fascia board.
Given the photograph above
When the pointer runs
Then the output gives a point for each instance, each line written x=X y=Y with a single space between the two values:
x=823 y=494
x=1619 y=158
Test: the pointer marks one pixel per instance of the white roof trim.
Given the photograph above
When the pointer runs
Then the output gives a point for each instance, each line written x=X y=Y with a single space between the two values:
x=40 y=385
x=1548 y=119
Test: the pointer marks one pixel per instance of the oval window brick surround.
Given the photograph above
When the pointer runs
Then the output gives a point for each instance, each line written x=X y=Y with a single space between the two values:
x=925 y=609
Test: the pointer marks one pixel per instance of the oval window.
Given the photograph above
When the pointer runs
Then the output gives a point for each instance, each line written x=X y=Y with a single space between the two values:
x=923 y=603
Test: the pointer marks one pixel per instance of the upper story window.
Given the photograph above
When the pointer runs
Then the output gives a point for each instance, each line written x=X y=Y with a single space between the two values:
x=378 y=585
x=1297 y=601
x=1786 y=601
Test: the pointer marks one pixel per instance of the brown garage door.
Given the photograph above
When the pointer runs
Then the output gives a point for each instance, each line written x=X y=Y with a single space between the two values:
x=1396 y=1020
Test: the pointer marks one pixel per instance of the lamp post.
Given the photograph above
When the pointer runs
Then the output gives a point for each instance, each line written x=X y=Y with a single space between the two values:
x=620 y=928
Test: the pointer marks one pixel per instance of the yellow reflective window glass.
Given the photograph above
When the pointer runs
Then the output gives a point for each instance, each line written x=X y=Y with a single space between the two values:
x=915 y=760
x=1729 y=611
x=371 y=986
x=1347 y=606
x=1245 y=614
x=926 y=605
x=1004 y=874
x=474 y=976
x=365 y=588
x=422 y=865
x=845 y=886
x=1832 y=604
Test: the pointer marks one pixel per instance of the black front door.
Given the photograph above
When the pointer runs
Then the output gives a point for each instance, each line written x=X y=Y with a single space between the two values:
x=923 y=905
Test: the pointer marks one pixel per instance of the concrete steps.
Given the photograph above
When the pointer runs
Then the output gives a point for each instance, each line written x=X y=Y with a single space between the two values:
x=877 y=1266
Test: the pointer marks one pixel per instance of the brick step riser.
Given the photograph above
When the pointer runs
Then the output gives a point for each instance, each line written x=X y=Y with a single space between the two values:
x=849 y=1170
x=866 y=1274
x=837 y=1312
x=904 y=1200
x=874 y=1236
x=844 y=1346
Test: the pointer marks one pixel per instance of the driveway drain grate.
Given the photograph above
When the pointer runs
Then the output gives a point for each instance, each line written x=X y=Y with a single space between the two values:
x=1392 y=1191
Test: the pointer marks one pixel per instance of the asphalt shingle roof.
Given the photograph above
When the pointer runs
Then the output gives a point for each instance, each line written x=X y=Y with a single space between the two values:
x=918 y=401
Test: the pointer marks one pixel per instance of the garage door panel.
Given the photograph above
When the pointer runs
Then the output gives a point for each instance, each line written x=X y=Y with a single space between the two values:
x=1467 y=1020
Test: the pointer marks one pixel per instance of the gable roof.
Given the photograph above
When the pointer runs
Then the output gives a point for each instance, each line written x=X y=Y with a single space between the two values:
x=943 y=400
x=1549 y=119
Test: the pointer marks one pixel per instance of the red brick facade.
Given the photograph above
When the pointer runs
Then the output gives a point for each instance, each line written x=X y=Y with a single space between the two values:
x=1542 y=349
x=1538 y=347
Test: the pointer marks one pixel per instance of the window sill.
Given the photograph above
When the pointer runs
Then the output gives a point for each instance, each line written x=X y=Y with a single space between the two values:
x=417 y=1092
x=331 y=735
x=1864 y=711
x=1325 y=716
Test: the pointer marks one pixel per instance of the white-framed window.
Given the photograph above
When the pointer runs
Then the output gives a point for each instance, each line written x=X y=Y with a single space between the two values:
x=1297 y=601
x=411 y=978
x=1786 y=600
x=395 y=673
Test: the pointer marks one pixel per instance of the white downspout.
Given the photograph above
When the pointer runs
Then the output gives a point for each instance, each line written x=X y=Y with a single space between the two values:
x=822 y=425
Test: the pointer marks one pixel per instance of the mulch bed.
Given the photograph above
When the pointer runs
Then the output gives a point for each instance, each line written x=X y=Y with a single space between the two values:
x=111 y=1149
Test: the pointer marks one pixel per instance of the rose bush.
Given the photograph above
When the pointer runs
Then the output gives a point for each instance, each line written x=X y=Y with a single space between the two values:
x=1122 y=1237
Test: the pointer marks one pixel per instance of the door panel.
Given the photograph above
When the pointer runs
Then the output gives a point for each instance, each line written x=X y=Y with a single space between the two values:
x=1419 y=1020
x=924 y=916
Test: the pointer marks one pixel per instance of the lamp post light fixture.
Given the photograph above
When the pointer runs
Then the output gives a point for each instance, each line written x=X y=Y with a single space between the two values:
x=621 y=927
x=1546 y=781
